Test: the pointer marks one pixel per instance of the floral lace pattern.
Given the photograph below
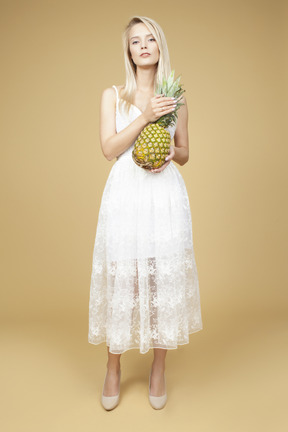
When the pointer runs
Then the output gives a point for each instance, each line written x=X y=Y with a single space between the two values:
x=144 y=290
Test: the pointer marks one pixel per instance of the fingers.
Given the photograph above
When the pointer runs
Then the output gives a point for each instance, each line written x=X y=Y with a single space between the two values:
x=161 y=98
x=162 y=110
x=155 y=170
x=165 y=100
x=164 y=105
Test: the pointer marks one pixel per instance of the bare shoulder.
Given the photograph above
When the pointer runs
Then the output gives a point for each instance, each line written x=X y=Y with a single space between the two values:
x=108 y=100
x=108 y=93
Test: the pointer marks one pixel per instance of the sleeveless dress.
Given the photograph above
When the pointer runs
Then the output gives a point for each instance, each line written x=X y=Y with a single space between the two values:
x=144 y=290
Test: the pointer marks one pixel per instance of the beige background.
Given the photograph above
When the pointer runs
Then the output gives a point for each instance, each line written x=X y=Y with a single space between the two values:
x=56 y=59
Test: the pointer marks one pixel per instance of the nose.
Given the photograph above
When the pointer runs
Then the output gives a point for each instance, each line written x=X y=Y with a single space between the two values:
x=143 y=45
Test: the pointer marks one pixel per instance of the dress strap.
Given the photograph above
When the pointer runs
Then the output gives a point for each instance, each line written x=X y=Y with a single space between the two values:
x=117 y=95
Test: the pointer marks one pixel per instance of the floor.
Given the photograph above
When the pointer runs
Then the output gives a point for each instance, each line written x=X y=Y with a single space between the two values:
x=232 y=376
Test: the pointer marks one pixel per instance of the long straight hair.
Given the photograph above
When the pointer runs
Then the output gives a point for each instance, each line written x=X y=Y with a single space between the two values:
x=163 y=65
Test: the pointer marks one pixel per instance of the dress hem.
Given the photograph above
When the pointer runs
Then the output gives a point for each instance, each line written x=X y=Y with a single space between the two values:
x=150 y=347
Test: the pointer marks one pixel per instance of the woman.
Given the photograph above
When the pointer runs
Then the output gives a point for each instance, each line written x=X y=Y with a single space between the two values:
x=144 y=289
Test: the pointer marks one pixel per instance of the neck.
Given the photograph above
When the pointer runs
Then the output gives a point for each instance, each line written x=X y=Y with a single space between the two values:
x=145 y=78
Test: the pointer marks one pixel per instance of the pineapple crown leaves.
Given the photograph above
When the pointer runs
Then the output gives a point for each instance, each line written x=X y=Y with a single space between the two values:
x=170 y=88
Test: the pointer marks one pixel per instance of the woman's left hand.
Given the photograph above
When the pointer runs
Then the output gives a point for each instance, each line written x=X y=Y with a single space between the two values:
x=168 y=159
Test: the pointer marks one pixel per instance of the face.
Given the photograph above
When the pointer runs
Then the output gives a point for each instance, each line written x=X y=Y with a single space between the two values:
x=142 y=41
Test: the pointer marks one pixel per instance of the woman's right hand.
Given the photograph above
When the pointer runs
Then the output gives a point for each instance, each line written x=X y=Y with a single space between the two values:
x=158 y=106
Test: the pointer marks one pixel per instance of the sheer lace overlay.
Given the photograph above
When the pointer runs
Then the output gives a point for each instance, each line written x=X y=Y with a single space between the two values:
x=144 y=290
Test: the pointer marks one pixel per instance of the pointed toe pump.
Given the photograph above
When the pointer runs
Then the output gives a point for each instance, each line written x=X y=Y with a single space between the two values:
x=110 y=402
x=157 y=402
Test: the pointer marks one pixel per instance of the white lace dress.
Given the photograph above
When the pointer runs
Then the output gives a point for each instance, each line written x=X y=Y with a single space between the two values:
x=144 y=290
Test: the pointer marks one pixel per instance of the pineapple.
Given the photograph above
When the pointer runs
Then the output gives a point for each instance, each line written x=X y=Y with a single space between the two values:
x=153 y=144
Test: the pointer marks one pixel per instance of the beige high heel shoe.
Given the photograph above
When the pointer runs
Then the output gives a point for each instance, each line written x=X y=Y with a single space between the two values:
x=110 y=402
x=157 y=402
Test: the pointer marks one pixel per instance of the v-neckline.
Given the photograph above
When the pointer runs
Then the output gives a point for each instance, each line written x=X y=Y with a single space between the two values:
x=132 y=105
x=118 y=91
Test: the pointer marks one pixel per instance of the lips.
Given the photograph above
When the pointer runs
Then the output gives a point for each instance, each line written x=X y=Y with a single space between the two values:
x=144 y=54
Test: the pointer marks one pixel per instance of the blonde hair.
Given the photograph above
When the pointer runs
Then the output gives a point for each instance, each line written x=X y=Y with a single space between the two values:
x=163 y=66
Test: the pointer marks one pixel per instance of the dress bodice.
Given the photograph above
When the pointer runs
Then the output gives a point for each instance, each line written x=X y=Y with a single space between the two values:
x=123 y=120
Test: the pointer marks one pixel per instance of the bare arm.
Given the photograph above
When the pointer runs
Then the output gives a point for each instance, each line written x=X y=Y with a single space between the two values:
x=113 y=143
x=181 y=138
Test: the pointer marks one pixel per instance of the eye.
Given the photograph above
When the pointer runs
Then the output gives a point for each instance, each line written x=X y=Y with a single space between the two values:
x=151 y=39
x=134 y=42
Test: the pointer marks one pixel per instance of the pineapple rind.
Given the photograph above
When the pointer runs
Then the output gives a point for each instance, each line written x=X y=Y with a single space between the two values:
x=155 y=155
x=153 y=143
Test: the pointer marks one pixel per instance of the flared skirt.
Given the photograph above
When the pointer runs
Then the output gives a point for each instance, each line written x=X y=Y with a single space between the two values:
x=144 y=290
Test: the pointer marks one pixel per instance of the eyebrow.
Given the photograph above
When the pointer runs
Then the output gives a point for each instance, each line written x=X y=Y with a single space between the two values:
x=150 y=34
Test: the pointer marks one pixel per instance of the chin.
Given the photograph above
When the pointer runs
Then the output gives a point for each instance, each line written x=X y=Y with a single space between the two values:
x=151 y=62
